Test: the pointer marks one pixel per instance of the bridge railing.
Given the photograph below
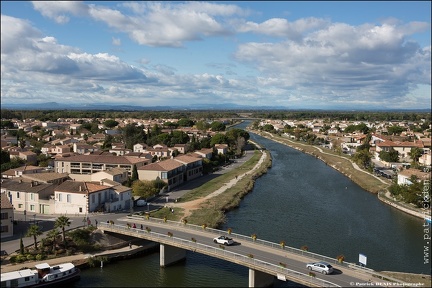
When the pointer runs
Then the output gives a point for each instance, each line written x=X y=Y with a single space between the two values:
x=248 y=261
x=242 y=238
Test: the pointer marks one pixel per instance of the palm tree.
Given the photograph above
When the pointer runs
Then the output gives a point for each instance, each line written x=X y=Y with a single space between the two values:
x=34 y=230
x=53 y=234
x=415 y=154
x=61 y=223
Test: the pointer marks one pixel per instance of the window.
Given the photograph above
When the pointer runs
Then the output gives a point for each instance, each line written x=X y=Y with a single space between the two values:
x=60 y=197
x=32 y=207
x=4 y=228
x=20 y=206
x=31 y=196
x=4 y=215
x=18 y=195
x=121 y=196
x=69 y=198
x=80 y=209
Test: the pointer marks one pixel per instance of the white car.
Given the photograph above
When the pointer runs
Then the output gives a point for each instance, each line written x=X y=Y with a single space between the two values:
x=141 y=203
x=224 y=240
x=322 y=267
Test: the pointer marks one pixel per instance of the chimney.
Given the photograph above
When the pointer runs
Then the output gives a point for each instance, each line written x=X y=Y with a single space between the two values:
x=80 y=188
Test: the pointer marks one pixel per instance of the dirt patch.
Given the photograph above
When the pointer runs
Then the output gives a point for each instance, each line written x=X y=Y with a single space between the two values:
x=410 y=278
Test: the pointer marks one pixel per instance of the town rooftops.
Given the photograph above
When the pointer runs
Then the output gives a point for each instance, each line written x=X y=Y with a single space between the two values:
x=80 y=187
x=46 y=177
x=111 y=159
x=420 y=175
x=5 y=203
x=24 y=185
x=166 y=165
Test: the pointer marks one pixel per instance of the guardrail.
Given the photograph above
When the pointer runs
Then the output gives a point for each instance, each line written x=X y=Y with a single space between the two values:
x=269 y=244
x=220 y=253
x=256 y=241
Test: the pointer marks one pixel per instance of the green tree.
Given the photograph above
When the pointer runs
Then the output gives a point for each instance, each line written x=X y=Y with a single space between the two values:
x=389 y=156
x=110 y=123
x=5 y=157
x=62 y=222
x=144 y=188
x=21 y=246
x=219 y=138
x=53 y=234
x=134 y=173
x=184 y=122
x=202 y=125
x=217 y=126
x=415 y=154
x=34 y=231
x=362 y=158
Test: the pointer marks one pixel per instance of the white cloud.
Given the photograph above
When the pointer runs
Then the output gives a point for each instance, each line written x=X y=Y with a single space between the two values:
x=58 y=10
x=116 y=41
x=280 y=27
x=374 y=63
x=160 y=24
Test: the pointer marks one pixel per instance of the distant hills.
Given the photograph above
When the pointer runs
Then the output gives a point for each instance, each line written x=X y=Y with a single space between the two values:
x=222 y=106
x=123 y=107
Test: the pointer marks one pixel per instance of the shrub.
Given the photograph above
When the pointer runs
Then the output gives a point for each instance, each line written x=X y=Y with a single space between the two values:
x=30 y=257
x=13 y=259
x=40 y=257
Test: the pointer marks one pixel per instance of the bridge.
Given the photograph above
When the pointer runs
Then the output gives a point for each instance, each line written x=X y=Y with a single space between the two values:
x=265 y=260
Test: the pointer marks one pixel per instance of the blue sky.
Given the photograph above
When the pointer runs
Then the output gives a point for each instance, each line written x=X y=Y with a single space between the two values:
x=294 y=55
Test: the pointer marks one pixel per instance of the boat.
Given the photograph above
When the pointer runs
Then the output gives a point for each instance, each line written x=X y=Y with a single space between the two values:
x=43 y=275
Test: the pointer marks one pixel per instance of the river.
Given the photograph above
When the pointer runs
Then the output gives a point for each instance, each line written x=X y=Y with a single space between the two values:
x=302 y=201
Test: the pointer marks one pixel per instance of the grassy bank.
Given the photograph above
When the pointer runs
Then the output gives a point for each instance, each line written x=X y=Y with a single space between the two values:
x=212 y=211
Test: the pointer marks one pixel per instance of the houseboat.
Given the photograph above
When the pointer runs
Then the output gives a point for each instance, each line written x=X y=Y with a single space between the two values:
x=43 y=275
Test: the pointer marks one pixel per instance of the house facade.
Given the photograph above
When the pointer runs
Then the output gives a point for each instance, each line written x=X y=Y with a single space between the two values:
x=81 y=198
x=405 y=175
x=89 y=164
x=29 y=196
x=7 y=216
x=170 y=171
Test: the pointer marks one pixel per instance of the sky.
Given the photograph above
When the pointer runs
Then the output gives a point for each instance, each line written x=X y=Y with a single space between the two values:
x=286 y=54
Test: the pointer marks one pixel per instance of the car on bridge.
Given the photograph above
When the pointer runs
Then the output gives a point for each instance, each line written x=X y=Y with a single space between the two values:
x=322 y=267
x=224 y=240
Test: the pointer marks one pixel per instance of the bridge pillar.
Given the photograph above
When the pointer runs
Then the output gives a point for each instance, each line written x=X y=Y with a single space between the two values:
x=170 y=255
x=260 y=279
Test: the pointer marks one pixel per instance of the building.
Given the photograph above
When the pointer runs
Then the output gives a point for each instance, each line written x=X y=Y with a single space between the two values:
x=405 y=175
x=170 y=171
x=7 y=216
x=193 y=166
x=89 y=164
x=29 y=196
x=81 y=198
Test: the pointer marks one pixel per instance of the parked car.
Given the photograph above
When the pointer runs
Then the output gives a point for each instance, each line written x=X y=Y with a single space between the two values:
x=141 y=203
x=322 y=267
x=223 y=240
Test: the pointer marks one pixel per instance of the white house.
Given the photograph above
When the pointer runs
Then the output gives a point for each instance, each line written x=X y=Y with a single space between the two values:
x=81 y=198
x=405 y=175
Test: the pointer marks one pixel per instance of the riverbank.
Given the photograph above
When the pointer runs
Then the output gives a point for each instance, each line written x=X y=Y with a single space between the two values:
x=344 y=165
x=210 y=209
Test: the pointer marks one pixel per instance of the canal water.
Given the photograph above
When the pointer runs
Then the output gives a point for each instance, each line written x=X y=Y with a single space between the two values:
x=301 y=201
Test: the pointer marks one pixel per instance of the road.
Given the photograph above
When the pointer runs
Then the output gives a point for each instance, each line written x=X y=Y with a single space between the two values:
x=273 y=254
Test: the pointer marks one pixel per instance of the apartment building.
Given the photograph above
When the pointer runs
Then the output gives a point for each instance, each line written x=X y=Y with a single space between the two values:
x=89 y=164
